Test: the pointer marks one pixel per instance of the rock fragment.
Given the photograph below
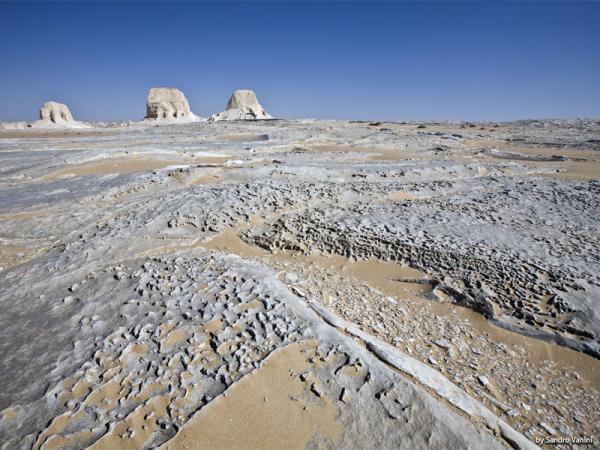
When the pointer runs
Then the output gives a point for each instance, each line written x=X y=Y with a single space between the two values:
x=548 y=428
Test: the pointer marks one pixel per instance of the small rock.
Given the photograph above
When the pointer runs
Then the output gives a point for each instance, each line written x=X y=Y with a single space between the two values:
x=442 y=343
x=291 y=277
x=315 y=390
x=299 y=292
x=483 y=380
x=513 y=412
x=548 y=428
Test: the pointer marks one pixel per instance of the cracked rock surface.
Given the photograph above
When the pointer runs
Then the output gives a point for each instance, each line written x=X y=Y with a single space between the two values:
x=158 y=283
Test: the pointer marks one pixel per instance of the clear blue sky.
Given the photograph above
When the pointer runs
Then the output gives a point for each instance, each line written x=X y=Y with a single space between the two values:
x=394 y=61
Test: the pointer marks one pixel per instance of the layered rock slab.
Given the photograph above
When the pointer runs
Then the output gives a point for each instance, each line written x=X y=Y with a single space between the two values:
x=165 y=337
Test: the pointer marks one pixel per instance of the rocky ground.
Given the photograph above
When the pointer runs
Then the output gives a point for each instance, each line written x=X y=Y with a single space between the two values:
x=300 y=284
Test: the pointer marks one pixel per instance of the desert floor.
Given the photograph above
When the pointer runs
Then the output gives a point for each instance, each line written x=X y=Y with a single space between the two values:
x=300 y=284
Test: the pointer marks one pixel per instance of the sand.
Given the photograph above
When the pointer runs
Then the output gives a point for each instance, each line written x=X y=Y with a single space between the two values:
x=265 y=410
x=131 y=165
x=26 y=215
x=54 y=134
x=242 y=137
x=401 y=196
x=109 y=167
x=581 y=164
x=372 y=153
x=15 y=255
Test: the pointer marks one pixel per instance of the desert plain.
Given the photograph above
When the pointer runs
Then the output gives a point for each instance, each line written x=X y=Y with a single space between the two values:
x=300 y=284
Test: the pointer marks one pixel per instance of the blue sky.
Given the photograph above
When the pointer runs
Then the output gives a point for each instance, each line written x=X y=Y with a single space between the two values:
x=391 y=61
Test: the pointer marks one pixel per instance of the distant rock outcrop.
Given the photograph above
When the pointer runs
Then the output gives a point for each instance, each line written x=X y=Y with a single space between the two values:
x=167 y=103
x=55 y=113
x=53 y=116
x=242 y=105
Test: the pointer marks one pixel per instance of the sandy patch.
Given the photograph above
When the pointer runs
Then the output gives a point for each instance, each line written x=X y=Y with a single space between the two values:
x=174 y=338
x=57 y=425
x=243 y=137
x=388 y=276
x=254 y=304
x=135 y=429
x=105 y=396
x=375 y=154
x=165 y=249
x=15 y=255
x=9 y=414
x=128 y=165
x=75 y=440
x=589 y=170
x=581 y=165
x=400 y=196
x=264 y=410
x=191 y=178
x=112 y=166
x=229 y=241
x=52 y=134
x=206 y=180
x=213 y=326
x=26 y=215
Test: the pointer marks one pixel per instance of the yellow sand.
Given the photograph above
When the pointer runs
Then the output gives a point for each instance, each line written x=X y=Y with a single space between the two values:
x=377 y=154
x=26 y=215
x=400 y=196
x=128 y=165
x=258 y=413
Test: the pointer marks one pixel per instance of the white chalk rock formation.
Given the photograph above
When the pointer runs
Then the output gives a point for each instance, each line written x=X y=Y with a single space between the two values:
x=167 y=103
x=56 y=113
x=242 y=105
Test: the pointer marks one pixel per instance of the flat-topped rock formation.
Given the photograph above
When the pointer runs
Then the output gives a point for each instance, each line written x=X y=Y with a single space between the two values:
x=56 y=113
x=167 y=103
x=242 y=105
